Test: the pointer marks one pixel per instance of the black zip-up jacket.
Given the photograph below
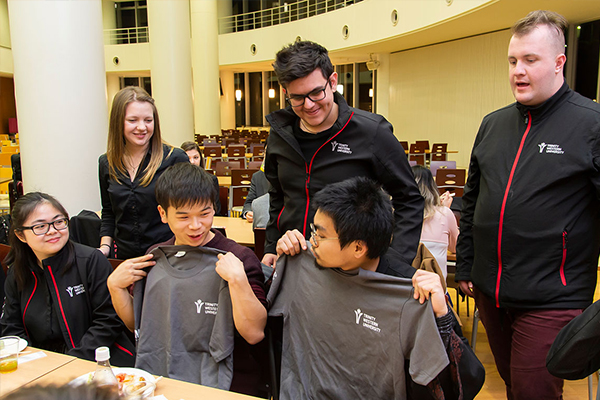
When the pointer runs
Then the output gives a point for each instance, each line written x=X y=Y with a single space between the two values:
x=363 y=144
x=129 y=210
x=80 y=299
x=530 y=227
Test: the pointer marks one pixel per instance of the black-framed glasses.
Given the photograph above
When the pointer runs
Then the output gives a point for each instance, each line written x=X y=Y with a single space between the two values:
x=42 y=229
x=316 y=237
x=296 y=100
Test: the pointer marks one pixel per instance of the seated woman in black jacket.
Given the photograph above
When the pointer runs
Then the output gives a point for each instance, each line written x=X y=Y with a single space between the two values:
x=56 y=293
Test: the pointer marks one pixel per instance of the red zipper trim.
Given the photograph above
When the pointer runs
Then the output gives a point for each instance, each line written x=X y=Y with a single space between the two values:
x=60 y=305
x=28 y=301
x=123 y=349
x=279 y=216
x=510 y=178
x=564 y=258
x=309 y=168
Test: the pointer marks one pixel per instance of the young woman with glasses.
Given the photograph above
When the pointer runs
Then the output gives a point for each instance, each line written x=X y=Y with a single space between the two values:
x=56 y=293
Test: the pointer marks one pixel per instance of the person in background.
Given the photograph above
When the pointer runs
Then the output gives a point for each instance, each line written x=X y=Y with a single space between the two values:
x=56 y=294
x=259 y=186
x=440 y=230
x=135 y=157
x=530 y=223
x=318 y=140
x=193 y=151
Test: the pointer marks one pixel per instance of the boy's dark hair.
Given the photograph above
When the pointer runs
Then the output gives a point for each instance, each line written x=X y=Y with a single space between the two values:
x=360 y=210
x=184 y=184
x=300 y=59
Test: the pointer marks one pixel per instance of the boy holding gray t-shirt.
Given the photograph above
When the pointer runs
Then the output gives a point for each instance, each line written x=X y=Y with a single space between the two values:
x=180 y=285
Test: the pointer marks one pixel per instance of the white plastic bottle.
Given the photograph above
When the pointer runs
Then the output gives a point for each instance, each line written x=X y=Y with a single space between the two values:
x=104 y=375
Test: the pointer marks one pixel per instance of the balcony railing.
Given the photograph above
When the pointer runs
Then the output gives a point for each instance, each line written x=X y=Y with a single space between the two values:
x=280 y=15
x=126 y=35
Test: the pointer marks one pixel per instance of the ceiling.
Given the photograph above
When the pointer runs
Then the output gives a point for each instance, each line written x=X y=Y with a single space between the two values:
x=493 y=16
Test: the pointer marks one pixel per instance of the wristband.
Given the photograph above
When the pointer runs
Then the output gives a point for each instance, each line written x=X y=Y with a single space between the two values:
x=104 y=244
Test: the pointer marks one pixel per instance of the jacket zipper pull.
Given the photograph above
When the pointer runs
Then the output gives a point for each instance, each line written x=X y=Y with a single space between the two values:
x=526 y=119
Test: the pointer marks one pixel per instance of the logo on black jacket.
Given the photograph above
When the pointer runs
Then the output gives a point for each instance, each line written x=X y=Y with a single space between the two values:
x=340 y=147
x=550 y=148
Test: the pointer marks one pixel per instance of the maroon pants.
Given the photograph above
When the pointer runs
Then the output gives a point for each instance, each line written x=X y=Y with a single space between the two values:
x=520 y=340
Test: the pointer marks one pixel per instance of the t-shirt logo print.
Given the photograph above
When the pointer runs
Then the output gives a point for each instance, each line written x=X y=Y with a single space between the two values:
x=199 y=303
x=333 y=145
x=358 y=315
x=75 y=290
x=70 y=290
x=542 y=145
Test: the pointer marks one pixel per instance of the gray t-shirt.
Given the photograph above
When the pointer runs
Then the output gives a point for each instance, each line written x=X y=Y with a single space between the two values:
x=346 y=335
x=183 y=318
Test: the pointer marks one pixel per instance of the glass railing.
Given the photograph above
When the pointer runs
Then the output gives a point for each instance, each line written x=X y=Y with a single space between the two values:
x=126 y=35
x=280 y=15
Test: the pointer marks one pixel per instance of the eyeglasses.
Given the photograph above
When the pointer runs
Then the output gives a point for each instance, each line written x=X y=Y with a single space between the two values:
x=296 y=100
x=316 y=237
x=42 y=229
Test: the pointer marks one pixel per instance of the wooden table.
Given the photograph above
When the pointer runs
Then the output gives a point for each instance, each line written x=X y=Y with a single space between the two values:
x=32 y=370
x=237 y=229
x=172 y=389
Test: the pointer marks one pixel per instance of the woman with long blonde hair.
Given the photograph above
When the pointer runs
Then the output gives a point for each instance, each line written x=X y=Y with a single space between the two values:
x=135 y=157
x=440 y=229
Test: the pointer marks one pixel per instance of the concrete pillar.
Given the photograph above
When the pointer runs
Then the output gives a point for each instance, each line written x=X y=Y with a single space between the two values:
x=383 y=86
x=228 y=100
x=170 y=55
x=205 y=66
x=60 y=87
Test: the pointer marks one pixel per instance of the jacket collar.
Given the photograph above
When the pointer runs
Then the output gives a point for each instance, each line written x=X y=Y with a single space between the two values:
x=539 y=112
x=59 y=260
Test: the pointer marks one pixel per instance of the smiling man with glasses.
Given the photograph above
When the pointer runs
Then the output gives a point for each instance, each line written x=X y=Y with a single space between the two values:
x=319 y=139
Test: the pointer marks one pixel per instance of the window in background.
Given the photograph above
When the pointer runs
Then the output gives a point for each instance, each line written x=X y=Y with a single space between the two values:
x=273 y=93
x=145 y=82
x=132 y=18
x=240 y=102
x=346 y=82
x=588 y=52
x=365 y=87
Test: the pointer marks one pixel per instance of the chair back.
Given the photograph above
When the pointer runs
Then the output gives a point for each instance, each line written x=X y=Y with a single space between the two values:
x=236 y=150
x=242 y=176
x=238 y=195
x=4 y=249
x=223 y=199
x=209 y=141
x=115 y=262
x=434 y=166
x=404 y=145
x=228 y=141
x=223 y=168
x=451 y=180
x=254 y=164
x=439 y=152
x=259 y=242
x=212 y=150
x=257 y=149
x=417 y=153
x=424 y=144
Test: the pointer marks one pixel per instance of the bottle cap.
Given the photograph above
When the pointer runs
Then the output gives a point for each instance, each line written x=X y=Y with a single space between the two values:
x=102 y=353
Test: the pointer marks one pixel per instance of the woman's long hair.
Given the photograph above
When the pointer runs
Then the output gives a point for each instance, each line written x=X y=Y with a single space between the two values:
x=21 y=256
x=428 y=189
x=115 y=148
